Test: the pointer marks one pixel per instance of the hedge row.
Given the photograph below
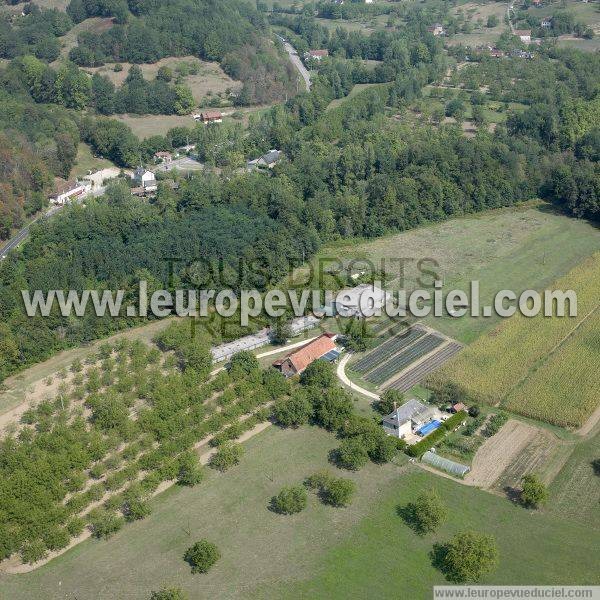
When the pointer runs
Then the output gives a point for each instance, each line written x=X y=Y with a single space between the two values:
x=436 y=436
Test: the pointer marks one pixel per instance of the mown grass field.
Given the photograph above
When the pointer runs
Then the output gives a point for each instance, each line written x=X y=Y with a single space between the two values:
x=546 y=368
x=258 y=546
x=362 y=551
x=575 y=492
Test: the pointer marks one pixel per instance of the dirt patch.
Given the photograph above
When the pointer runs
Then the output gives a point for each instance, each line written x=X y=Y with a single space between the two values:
x=498 y=452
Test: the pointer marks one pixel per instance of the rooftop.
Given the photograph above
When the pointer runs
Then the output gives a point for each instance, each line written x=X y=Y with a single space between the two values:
x=409 y=410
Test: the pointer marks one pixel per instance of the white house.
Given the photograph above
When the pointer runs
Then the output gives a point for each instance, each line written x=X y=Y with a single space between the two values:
x=145 y=179
x=524 y=35
x=364 y=300
x=68 y=191
x=407 y=418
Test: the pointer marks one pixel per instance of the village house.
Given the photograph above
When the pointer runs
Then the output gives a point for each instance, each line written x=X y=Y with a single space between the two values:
x=436 y=29
x=268 y=160
x=209 y=116
x=495 y=53
x=546 y=22
x=408 y=418
x=524 y=35
x=163 y=157
x=67 y=191
x=322 y=347
x=145 y=179
x=316 y=54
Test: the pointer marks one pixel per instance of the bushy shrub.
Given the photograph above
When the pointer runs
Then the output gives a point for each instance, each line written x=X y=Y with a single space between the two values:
x=290 y=500
x=202 y=556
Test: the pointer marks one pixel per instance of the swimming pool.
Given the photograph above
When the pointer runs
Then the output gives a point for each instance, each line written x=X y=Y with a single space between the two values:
x=431 y=426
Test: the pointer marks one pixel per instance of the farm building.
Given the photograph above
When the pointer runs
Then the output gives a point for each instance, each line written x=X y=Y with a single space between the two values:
x=410 y=417
x=364 y=300
x=297 y=361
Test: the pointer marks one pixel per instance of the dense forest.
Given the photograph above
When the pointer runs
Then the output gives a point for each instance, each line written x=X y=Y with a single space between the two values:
x=362 y=168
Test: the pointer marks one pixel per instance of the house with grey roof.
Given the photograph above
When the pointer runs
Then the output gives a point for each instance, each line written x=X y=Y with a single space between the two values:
x=266 y=161
x=407 y=418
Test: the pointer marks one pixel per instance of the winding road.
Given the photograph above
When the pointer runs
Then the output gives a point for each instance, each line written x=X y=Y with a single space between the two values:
x=341 y=373
x=296 y=61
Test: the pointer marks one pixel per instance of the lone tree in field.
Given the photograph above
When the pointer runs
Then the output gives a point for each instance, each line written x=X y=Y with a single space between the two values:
x=534 y=492
x=290 y=500
x=202 y=556
x=353 y=453
x=168 y=594
x=332 y=490
x=467 y=556
x=427 y=513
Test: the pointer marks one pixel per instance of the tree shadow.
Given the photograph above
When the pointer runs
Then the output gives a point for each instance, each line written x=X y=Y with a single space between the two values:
x=408 y=514
x=437 y=556
x=596 y=466
x=513 y=494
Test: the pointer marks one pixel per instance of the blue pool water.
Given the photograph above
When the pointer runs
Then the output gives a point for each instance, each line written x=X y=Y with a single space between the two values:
x=431 y=426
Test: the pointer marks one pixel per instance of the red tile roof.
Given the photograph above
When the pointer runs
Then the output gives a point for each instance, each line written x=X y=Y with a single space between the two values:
x=301 y=358
x=211 y=114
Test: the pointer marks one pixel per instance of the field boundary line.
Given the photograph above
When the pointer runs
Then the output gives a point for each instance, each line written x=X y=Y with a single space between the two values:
x=544 y=359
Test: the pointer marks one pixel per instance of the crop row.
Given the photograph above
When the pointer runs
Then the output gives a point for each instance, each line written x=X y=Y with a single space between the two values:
x=418 y=373
x=404 y=359
x=489 y=369
x=387 y=349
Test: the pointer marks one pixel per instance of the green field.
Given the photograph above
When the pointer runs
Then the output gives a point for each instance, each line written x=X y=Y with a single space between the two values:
x=546 y=368
x=575 y=491
x=363 y=551
x=525 y=247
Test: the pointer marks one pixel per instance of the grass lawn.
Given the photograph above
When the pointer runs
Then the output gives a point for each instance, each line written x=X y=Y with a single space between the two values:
x=85 y=162
x=362 y=551
x=209 y=80
x=382 y=555
x=575 y=492
x=359 y=87
x=257 y=545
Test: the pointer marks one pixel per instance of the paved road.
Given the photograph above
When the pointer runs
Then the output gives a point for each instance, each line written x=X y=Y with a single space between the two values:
x=19 y=237
x=341 y=373
x=296 y=61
